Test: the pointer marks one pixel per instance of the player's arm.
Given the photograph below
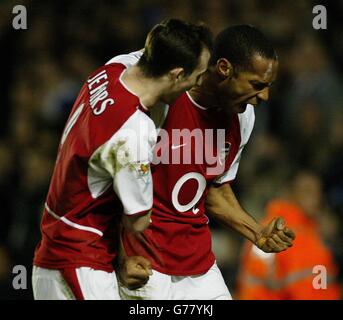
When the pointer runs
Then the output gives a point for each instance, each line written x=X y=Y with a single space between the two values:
x=136 y=223
x=132 y=272
x=223 y=206
x=132 y=183
x=126 y=157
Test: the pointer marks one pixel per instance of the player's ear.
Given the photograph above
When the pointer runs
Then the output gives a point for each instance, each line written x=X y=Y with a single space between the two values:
x=224 y=68
x=177 y=73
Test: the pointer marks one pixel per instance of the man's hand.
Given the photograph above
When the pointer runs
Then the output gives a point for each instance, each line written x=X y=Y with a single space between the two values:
x=275 y=237
x=223 y=206
x=134 y=272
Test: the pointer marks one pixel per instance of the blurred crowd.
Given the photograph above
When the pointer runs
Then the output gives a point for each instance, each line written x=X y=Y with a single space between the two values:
x=44 y=67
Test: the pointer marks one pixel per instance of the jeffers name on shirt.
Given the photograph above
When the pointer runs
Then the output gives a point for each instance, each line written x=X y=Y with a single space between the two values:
x=97 y=87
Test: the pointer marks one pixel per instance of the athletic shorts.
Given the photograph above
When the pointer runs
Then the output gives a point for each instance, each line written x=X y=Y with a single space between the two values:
x=207 y=286
x=74 y=284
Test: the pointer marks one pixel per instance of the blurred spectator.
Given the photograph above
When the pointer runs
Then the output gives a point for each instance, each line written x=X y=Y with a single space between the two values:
x=333 y=174
x=314 y=98
x=265 y=168
x=289 y=275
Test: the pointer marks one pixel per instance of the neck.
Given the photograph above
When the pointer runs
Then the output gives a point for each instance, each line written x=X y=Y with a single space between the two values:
x=205 y=94
x=148 y=90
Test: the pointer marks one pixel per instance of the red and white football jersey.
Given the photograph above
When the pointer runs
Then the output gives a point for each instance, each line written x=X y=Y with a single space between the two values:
x=102 y=170
x=188 y=161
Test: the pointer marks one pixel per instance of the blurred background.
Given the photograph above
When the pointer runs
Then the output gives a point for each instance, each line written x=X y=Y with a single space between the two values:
x=299 y=130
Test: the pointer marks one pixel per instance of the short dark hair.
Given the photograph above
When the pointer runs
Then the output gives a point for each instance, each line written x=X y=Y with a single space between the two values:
x=238 y=44
x=174 y=43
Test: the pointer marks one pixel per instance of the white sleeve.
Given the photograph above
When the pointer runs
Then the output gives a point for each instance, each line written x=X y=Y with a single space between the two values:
x=124 y=162
x=127 y=60
x=246 y=122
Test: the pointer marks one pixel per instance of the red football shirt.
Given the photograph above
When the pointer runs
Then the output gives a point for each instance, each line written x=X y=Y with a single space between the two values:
x=102 y=169
x=188 y=160
x=178 y=241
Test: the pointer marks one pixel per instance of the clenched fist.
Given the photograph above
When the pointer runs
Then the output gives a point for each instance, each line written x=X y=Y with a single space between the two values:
x=275 y=237
x=134 y=272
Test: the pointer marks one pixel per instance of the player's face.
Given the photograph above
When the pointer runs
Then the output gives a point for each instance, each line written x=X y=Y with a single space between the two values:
x=184 y=83
x=248 y=87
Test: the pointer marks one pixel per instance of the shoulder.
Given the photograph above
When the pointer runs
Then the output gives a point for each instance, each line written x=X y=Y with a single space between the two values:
x=126 y=60
x=105 y=72
x=138 y=127
x=138 y=119
x=135 y=136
